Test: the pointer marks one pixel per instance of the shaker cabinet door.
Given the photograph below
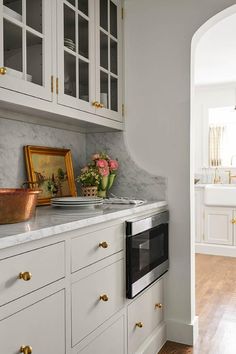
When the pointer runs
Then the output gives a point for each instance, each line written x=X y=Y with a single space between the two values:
x=25 y=47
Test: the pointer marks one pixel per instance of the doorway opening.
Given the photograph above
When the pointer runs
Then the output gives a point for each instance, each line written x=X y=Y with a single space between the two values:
x=213 y=165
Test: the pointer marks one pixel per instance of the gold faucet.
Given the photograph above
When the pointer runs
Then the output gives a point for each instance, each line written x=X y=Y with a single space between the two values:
x=230 y=176
x=217 y=179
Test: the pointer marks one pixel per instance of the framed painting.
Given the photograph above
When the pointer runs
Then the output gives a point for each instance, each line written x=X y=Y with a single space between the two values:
x=51 y=170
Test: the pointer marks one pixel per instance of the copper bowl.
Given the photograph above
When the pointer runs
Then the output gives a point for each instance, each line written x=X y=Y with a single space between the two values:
x=17 y=205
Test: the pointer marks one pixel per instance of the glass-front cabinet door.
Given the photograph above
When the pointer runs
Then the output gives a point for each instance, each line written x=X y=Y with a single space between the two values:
x=108 y=64
x=25 y=47
x=76 y=62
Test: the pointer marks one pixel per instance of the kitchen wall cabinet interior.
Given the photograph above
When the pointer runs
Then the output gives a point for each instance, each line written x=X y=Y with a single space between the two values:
x=67 y=52
x=25 y=47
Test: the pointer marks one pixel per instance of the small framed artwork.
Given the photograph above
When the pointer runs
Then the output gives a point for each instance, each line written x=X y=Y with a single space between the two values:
x=51 y=170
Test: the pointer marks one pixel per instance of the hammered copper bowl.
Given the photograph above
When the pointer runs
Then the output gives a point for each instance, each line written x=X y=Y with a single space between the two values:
x=17 y=205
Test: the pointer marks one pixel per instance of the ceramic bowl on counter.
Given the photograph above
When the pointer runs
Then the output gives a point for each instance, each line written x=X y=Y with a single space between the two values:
x=17 y=205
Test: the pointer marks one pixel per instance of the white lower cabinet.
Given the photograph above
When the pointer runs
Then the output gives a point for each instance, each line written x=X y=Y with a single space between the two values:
x=111 y=341
x=40 y=326
x=218 y=226
x=144 y=315
x=95 y=299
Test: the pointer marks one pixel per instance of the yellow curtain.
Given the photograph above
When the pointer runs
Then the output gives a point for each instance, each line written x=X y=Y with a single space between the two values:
x=215 y=145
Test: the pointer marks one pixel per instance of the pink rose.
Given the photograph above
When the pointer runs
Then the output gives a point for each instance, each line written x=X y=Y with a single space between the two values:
x=102 y=163
x=85 y=169
x=113 y=164
x=104 y=171
x=95 y=157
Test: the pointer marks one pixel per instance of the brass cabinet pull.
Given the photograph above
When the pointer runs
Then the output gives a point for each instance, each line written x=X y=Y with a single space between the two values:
x=158 y=306
x=3 y=70
x=26 y=349
x=103 y=244
x=101 y=105
x=104 y=297
x=233 y=221
x=139 y=325
x=96 y=104
x=26 y=276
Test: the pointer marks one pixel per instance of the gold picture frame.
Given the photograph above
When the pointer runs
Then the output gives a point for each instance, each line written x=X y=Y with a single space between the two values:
x=51 y=170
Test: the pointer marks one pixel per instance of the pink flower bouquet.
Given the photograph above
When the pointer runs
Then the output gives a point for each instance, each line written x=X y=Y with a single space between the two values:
x=100 y=172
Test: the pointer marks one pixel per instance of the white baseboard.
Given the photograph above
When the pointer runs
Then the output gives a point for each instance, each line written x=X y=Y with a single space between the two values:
x=215 y=250
x=185 y=333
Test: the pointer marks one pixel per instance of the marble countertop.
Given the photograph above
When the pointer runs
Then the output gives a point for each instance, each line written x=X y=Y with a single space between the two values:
x=49 y=221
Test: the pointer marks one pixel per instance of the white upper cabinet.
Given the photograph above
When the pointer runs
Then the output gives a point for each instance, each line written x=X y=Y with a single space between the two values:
x=89 y=56
x=25 y=47
x=108 y=58
x=76 y=59
x=65 y=51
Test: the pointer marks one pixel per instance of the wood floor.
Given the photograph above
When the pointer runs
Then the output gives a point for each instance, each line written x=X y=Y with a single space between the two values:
x=215 y=306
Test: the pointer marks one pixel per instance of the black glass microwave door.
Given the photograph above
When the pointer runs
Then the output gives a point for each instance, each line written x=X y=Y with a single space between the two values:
x=146 y=251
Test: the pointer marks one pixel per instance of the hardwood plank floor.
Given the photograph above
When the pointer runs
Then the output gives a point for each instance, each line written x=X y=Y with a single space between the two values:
x=215 y=306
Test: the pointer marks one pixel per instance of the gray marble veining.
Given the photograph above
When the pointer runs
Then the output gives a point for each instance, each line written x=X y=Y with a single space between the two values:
x=15 y=134
x=132 y=181
x=49 y=221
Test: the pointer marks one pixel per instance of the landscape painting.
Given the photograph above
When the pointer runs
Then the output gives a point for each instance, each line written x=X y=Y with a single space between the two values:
x=52 y=170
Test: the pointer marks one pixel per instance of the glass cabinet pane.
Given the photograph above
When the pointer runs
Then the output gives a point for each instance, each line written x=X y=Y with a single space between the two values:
x=34 y=14
x=83 y=80
x=114 y=94
x=113 y=54
x=69 y=28
x=113 y=19
x=104 y=96
x=103 y=50
x=83 y=6
x=69 y=74
x=34 y=51
x=13 y=47
x=15 y=7
x=83 y=27
x=104 y=14
x=72 y=2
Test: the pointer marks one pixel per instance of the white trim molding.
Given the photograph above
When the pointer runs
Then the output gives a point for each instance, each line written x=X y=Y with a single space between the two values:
x=180 y=332
x=215 y=250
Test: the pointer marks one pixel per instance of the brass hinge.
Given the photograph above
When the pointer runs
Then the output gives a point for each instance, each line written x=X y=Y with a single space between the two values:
x=52 y=86
x=122 y=13
x=57 y=85
x=123 y=110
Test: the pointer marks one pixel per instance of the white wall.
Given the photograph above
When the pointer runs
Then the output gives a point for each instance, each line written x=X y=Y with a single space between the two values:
x=158 y=36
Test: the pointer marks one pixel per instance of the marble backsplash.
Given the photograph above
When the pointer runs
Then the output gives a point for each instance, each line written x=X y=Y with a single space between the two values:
x=132 y=181
x=15 y=134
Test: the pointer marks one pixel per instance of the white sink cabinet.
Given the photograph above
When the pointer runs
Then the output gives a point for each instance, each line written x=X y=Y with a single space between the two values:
x=215 y=231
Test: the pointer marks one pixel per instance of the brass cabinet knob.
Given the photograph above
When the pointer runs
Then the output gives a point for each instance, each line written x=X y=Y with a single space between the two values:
x=139 y=325
x=26 y=349
x=233 y=221
x=104 y=297
x=103 y=244
x=26 y=276
x=158 y=306
x=101 y=105
x=96 y=104
x=3 y=70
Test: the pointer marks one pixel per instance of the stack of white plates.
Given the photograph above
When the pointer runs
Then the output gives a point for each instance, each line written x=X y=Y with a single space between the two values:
x=77 y=202
x=69 y=44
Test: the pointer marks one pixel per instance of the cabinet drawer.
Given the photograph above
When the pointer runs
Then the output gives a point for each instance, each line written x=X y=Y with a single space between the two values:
x=144 y=314
x=92 y=247
x=88 y=310
x=41 y=326
x=112 y=340
x=45 y=265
